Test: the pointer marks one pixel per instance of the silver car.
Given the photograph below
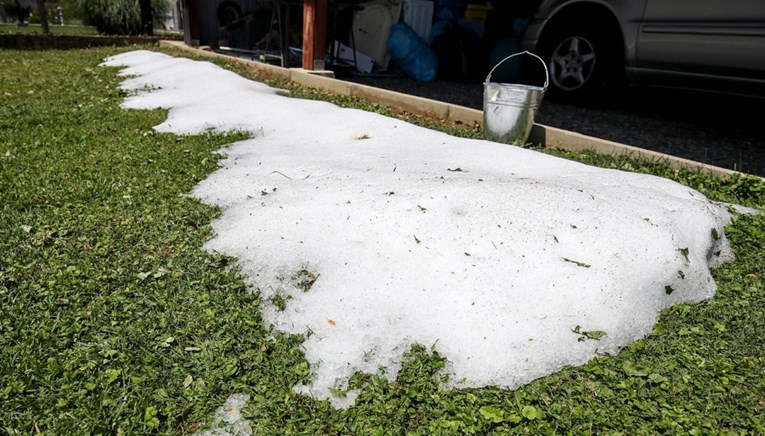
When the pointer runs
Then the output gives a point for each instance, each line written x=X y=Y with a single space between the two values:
x=702 y=44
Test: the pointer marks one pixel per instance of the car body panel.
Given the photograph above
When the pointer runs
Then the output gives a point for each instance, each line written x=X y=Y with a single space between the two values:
x=719 y=37
x=716 y=44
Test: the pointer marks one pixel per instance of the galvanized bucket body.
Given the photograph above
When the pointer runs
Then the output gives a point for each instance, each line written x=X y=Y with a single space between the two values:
x=509 y=109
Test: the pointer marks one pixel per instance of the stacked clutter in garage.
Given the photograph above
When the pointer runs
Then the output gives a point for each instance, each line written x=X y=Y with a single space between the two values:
x=426 y=40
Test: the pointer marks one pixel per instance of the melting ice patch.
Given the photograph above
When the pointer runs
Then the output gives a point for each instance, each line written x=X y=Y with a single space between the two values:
x=380 y=234
x=228 y=419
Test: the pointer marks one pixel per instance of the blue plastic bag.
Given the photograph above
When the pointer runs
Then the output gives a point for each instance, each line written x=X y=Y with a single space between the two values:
x=411 y=53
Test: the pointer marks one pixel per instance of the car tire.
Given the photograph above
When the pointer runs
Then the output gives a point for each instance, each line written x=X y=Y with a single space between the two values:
x=580 y=61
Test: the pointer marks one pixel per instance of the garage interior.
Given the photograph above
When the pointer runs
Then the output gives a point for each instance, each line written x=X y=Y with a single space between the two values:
x=420 y=40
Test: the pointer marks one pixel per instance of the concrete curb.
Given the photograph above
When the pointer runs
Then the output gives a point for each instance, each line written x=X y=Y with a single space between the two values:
x=549 y=137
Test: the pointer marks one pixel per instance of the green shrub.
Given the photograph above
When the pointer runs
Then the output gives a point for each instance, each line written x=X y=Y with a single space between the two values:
x=118 y=17
x=72 y=11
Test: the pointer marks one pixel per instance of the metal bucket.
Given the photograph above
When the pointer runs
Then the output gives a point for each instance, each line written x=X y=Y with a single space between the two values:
x=509 y=109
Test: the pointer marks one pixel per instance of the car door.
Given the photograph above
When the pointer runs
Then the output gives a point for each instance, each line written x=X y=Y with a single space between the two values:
x=705 y=37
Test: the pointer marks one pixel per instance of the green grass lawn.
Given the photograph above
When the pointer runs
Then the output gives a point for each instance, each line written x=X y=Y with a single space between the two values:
x=115 y=320
x=36 y=29
x=73 y=30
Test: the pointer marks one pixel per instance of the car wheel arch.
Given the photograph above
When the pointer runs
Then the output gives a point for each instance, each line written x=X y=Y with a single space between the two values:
x=592 y=18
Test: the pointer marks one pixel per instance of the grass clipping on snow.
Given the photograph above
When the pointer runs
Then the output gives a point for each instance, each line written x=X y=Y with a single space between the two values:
x=378 y=234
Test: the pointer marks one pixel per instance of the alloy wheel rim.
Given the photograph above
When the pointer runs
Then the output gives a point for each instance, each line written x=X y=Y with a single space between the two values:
x=573 y=63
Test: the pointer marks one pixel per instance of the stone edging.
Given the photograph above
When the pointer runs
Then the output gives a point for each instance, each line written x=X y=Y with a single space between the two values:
x=547 y=136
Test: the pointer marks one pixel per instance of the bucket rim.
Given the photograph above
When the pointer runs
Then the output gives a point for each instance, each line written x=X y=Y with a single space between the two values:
x=547 y=73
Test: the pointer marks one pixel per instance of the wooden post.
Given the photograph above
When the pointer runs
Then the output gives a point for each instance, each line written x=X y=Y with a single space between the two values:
x=191 y=23
x=314 y=32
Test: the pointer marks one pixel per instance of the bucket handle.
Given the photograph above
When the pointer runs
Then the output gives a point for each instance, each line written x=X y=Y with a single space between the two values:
x=547 y=73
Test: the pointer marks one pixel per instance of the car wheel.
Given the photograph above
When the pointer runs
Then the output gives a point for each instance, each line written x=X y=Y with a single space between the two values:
x=579 y=62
